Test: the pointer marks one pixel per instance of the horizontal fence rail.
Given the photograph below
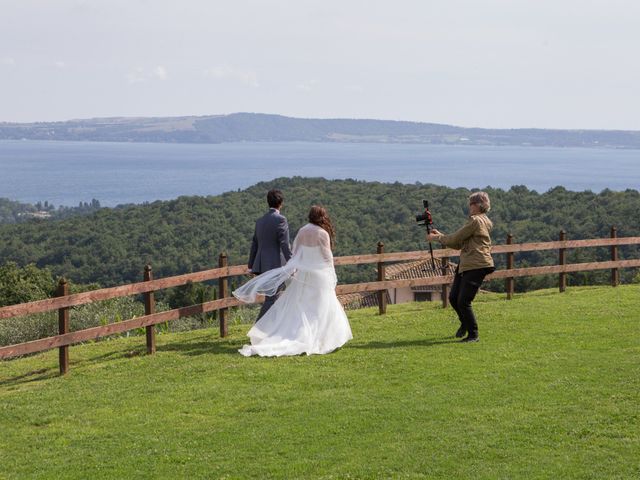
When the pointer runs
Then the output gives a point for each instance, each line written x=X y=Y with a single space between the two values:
x=216 y=273
x=113 y=328
x=147 y=287
x=516 y=272
x=120 y=291
x=519 y=247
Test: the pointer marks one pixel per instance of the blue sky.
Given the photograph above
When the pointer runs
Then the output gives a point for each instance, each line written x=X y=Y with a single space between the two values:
x=489 y=63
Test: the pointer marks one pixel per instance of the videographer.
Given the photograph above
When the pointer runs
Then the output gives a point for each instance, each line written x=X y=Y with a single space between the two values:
x=476 y=262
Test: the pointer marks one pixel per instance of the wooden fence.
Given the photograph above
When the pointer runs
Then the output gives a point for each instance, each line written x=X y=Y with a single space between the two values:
x=63 y=301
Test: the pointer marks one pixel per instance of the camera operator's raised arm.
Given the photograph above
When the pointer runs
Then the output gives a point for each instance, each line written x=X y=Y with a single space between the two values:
x=456 y=239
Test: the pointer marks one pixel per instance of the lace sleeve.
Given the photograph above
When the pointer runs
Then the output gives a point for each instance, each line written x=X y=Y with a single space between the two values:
x=325 y=247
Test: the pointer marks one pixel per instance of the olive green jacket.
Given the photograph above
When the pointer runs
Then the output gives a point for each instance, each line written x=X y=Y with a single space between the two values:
x=474 y=243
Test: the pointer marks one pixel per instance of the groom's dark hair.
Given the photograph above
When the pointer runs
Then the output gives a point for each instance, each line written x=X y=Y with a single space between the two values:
x=275 y=198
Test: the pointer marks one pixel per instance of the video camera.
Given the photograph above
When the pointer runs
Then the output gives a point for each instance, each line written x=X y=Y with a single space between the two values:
x=425 y=218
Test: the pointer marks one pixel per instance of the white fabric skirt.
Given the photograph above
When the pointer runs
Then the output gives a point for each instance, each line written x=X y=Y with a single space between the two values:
x=306 y=318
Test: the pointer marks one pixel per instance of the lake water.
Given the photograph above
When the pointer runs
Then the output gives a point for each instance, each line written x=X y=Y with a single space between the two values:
x=66 y=173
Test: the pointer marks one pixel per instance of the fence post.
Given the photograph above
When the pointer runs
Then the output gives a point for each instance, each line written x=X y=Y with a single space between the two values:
x=382 y=297
x=222 y=289
x=444 y=263
x=562 y=277
x=149 y=308
x=509 y=283
x=615 y=273
x=63 y=326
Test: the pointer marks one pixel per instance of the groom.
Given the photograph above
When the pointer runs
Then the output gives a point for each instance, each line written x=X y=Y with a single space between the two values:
x=270 y=240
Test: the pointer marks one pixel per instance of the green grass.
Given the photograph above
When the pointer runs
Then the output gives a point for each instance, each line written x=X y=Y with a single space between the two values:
x=550 y=391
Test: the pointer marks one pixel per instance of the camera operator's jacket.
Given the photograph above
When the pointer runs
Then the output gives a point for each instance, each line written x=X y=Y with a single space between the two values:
x=474 y=243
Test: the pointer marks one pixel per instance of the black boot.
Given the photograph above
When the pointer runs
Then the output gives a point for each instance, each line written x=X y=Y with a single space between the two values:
x=461 y=332
x=471 y=338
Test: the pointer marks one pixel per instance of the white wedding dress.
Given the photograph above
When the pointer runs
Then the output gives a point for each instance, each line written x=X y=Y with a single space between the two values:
x=307 y=317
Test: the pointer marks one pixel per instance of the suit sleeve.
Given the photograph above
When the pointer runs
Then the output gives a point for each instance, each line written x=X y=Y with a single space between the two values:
x=455 y=239
x=283 y=238
x=254 y=249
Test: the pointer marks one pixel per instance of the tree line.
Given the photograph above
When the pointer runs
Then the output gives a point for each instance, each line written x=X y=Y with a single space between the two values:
x=110 y=246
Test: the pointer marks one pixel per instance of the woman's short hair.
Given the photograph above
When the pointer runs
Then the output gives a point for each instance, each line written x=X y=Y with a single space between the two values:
x=482 y=200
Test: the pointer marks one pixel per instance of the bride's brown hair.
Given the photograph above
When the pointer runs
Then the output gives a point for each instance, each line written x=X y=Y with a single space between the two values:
x=318 y=216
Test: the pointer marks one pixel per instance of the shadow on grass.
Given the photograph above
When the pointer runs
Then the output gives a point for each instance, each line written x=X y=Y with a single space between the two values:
x=425 y=342
x=216 y=347
x=52 y=372
x=201 y=345
x=33 y=376
x=204 y=344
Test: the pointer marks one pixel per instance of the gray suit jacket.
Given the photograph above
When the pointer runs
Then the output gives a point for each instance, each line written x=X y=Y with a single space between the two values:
x=271 y=237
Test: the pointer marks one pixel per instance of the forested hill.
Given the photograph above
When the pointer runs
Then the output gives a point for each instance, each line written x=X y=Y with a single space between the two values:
x=111 y=246
x=252 y=127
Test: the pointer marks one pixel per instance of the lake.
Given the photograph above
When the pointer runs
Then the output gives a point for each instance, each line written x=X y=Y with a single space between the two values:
x=66 y=173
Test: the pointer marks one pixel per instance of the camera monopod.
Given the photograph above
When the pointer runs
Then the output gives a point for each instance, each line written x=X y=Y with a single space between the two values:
x=425 y=218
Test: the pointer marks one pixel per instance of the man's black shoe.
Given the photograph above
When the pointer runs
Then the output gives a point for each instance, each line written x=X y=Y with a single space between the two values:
x=470 y=339
x=461 y=332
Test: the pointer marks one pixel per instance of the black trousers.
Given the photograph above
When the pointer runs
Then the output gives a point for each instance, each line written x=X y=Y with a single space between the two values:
x=268 y=303
x=463 y=291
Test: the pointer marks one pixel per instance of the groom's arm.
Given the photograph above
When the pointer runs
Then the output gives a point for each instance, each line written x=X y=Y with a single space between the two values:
x=283 y=238
x=254 y=249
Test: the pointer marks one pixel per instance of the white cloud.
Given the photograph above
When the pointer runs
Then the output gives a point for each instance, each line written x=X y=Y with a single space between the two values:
x=160 y=72
x=59 y=64
x=307 y=85
x=136 y=76
x=141 y=75
x=7 y=61
x=246 y=77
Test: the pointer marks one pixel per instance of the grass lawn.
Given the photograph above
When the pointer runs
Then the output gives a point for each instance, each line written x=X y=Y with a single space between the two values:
x=552 y=391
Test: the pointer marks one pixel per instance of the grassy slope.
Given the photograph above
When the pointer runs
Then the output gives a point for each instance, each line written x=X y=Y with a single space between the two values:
x=551 y=391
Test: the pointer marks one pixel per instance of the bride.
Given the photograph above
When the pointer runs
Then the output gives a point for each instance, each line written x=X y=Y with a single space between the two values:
x=307 y=317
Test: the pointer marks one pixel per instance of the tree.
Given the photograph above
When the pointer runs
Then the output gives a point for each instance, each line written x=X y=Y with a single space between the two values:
x=24 y=284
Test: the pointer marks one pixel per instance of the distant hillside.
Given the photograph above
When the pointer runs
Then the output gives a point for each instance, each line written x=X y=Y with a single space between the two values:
x=252 y=127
